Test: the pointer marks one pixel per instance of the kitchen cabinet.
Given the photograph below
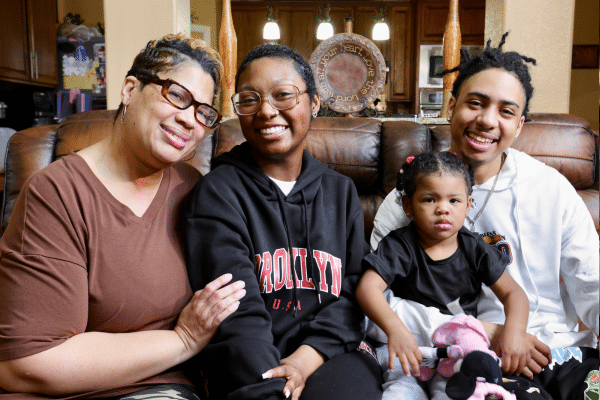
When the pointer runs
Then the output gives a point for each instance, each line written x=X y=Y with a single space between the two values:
x=412 y=23
x=28 y=42
x=298 y=23
x=433 y=16
x=401 y=64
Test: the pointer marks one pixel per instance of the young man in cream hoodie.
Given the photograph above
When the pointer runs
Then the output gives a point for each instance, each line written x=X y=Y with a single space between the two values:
x=529 y=211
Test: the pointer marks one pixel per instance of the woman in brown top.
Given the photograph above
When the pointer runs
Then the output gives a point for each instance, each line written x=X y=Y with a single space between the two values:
x=95 y=299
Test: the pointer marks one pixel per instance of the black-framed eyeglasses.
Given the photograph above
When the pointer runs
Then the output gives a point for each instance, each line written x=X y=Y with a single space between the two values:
x=180 y=97
x=280 y=97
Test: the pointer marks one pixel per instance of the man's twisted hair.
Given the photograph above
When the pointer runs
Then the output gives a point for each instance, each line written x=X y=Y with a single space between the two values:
x=492 y=57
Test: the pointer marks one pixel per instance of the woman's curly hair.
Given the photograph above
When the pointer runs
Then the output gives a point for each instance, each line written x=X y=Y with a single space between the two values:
x=168 y=52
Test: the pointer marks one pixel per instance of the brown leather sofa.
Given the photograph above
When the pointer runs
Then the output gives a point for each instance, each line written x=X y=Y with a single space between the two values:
x=367 y=150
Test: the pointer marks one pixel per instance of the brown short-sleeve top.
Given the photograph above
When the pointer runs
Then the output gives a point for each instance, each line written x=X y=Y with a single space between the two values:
x=74 y=259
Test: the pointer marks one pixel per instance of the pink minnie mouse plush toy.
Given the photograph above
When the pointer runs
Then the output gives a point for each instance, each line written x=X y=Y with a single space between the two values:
x=460 y=336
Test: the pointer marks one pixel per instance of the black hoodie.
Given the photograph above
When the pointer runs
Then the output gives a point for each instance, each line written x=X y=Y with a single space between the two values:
x=239 y=221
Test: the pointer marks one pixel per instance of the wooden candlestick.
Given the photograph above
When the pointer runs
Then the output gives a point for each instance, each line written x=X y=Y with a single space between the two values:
x=348 y=25
x=228 y=50
x=451 y=57
x=348 y=28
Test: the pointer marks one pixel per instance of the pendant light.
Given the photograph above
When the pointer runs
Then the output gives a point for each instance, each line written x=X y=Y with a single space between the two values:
x=381 y=30
x=271 y=29
x=325 y=29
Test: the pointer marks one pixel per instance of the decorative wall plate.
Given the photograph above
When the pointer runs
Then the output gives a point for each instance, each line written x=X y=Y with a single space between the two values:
x=349 y=71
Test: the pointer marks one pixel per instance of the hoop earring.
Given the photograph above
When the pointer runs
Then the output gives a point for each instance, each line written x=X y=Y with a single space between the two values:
x=314 y=114
x=193 y=155
x=124 y=111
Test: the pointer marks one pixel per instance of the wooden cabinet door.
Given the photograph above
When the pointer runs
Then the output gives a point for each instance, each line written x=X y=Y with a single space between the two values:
x=298 y=28
x=400 y=67
x=472 y=23
x=42 y=25
x=248 y=22
x=434 y=15
x=14 y=47
x=28 y=42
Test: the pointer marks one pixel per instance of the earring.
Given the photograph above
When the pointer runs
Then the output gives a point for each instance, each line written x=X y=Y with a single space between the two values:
x=314 y=114
x=124 y=111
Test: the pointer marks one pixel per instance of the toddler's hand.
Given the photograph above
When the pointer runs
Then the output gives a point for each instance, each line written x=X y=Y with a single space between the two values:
x=402 y=344
x=514 y=352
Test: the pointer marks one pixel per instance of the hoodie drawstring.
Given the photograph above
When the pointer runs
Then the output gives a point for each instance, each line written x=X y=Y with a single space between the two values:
x=292 y=263
x=291 y=257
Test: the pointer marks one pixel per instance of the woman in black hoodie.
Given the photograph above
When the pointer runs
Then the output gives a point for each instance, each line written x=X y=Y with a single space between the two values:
x=266 y=213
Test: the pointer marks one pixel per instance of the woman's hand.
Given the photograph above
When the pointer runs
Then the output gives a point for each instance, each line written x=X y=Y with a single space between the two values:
x=402 y=344
x=296 y=369
x=200 y=318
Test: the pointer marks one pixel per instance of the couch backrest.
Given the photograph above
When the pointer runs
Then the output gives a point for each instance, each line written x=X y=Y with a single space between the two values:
x=367 y=150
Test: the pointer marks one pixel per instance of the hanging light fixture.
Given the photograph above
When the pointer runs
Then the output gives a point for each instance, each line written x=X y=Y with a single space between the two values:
x=381 y=30
x=325 y=29
x=271 y=29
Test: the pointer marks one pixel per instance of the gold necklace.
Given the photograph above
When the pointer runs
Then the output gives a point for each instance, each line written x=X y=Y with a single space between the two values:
x=487 y=198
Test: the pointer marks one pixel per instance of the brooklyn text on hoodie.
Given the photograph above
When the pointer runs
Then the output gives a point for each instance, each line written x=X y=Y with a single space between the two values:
x=275 y=274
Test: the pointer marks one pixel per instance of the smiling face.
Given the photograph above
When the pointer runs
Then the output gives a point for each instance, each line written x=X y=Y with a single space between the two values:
x=275 y=134
x=162 y=134
x=438 y=207
x=486 y=118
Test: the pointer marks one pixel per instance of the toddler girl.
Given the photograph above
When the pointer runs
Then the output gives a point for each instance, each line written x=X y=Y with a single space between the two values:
x=437 y=262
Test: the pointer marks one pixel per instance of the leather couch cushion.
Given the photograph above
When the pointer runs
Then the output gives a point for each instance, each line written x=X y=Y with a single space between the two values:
x=569 y=146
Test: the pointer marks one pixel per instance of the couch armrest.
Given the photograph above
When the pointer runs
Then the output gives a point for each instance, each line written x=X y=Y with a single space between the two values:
x=34 y=148
x=28 y=151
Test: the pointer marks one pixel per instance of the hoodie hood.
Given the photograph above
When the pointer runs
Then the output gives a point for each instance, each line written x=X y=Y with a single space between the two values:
x=308 y=182
x=510 y=175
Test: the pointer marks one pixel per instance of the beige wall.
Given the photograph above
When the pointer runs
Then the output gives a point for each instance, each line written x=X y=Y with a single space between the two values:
x=208 y=13
x=540 y=29
x=129 y=26
x=584 y=82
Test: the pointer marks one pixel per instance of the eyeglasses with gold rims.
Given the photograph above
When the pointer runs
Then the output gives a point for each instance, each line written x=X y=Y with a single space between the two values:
x=180 y=97
x=280 y=97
